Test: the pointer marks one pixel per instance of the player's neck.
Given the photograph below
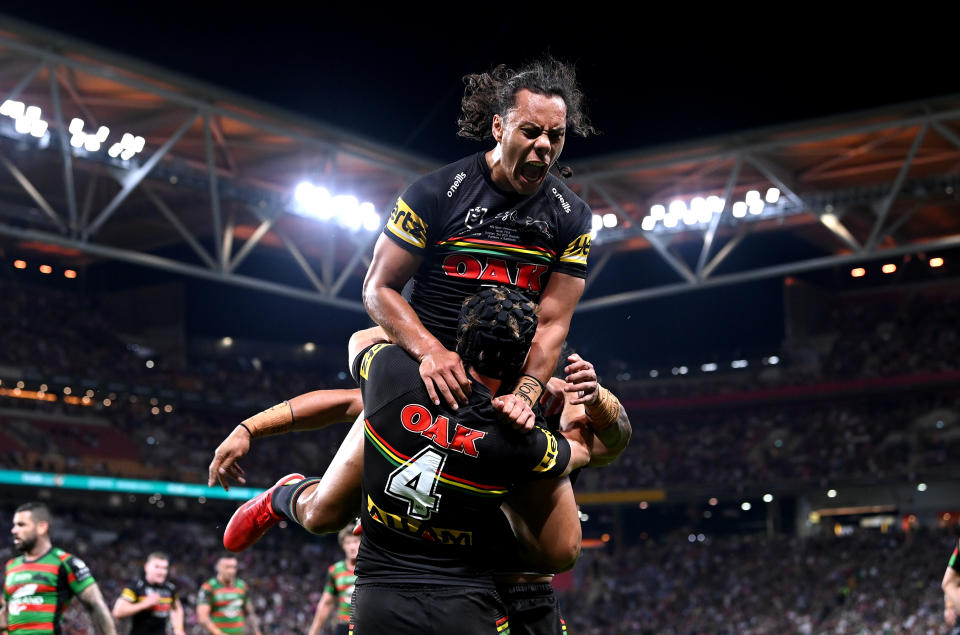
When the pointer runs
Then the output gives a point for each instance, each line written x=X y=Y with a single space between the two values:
x=42 y=547
x=490 y=382
x=225 y=582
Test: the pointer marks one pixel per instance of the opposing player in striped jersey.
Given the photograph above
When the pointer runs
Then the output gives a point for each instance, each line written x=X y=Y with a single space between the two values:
x=339 y=587
x=39 y=583
x=151 y=600
x=223 y=604
x=951 y=589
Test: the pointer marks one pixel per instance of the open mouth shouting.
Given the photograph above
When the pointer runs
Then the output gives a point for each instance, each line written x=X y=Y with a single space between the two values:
x=532 y=172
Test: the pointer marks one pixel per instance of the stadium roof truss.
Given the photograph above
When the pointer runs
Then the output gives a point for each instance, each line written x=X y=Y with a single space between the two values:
x=853 y=188
x=215 y=174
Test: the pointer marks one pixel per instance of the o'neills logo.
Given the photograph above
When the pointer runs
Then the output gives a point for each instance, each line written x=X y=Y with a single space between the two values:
x=524 y=275
x=456 y=183
x=563 y=203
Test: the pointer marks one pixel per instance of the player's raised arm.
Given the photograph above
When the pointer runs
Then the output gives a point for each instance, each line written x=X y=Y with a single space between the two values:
x=442 y=370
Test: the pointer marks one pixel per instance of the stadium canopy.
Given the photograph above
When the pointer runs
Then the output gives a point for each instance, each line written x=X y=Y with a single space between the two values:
x=103 y=157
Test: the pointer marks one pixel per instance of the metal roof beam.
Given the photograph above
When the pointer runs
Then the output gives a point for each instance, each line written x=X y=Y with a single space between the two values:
x=65 y=154
x=895 y=188
x=715 y=221
x=180 y=227
x=33 y=193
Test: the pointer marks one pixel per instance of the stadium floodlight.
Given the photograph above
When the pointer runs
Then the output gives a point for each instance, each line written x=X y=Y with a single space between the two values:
x=126 y=155
x=738 y=363
x=678 y=207
x=889 y=268
x=739 y=209
x=76 y=126
x=936 y=262
x=698 y=203
x=773 y=360
x=38 y=128
x=345 y=208
x=831 y=493
x=12 y=108
x=745 y=506
x=22 y=125
x=593 y=234
x=91 y=143
x=77 y=140
x=708 y=368
x=858 y=272
x=114 y=151
x=670 y=220
x=768 y=498
x=772 y=196
x=596 y=223
x=715 y=204
x=756 y=207
x=32 y=113
x=921 y=487
x=648 y=223
x=704 y=215
x=657 y=212
x=752 y=195
x=138 y=143
x=372 y=222
x=689 y=218
x=609 y=220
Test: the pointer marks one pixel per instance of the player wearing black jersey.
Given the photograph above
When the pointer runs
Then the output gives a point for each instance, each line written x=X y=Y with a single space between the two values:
x=151 y=600
x=498 y=217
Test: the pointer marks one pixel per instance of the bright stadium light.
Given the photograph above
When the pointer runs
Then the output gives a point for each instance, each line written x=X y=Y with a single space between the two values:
x=670 y=220
x=936 y=262
x=738 y=363
x=715 y=204
x=22 y=125
x=38 y=128
x=76 y=126
x=745 y=506
x=768 y=498
x=831 y=493
x=889 y=268
x=596 y=223
x=683 y=370
x=609 y=220
x=752 y=195
x=11 y=108
x=657 y=212
x=773 y=360
x=91 y=143
x=773 y=195
x=704 y=214
x=739 y=209
x=698 y=203
x=102 y=133
x=648 y=223
x=921 y=487
x=678 y=207
x=689 y=217
x=756 y=207
x=708 y=368
x=858 y=272
x=114 y=151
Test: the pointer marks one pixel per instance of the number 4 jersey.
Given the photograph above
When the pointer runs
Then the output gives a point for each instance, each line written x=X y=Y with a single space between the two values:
x=434 y=478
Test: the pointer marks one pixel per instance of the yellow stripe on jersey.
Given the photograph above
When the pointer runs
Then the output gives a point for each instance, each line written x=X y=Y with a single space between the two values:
x=577 y=251
x=129 y=595
x=407 y=226
x=368 y=357
x=550 y=457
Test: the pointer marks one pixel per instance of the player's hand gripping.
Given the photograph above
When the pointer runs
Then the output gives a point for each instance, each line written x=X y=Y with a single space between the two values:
x=224 y=464
x=552 y=399
x=442 y=372
x=514 y=411
x=581 y=379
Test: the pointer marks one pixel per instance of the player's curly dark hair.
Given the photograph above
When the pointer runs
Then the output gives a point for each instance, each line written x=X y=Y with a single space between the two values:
x=494 y=92
x=495 y=329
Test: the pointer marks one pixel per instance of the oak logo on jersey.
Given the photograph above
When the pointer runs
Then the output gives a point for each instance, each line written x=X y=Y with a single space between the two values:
x=368 y=357
x=406 y=225
x=525 y=276
x=417 y=418
x=419 y=528
x=475 y=216
x=578 y=250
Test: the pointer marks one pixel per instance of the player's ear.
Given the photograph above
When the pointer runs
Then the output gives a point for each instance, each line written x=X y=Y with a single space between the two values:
x=497 y=128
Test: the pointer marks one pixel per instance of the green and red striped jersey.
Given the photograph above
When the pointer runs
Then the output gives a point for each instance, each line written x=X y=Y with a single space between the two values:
x=340 y=581
x=227 y=604
x=37 y=591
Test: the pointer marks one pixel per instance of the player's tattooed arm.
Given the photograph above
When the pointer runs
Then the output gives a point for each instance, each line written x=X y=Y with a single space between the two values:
x=93 y=602
x=252 y=618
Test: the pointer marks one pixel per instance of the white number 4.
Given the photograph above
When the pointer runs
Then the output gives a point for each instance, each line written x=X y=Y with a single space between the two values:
x=416 y=483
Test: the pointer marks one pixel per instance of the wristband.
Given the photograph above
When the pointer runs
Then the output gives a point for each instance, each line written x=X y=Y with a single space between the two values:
x=605 y=411
x=274 y=420
x=529 y=389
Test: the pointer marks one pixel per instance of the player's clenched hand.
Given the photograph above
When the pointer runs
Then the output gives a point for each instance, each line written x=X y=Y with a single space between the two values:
x=515 y=411
x=581 y=379
x=443 y=374
x=224 y=464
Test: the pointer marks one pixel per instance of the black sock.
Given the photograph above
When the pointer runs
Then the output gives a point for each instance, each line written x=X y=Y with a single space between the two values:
x=284 y=499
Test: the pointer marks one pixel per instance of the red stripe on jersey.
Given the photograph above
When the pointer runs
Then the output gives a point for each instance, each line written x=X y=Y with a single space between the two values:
x=501 y=620
x=494 y=242
x=29 y=566
x=230 y=624
x=32 y=626
x=41 y=588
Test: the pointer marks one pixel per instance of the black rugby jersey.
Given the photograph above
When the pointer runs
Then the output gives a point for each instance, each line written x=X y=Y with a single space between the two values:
x=434 y=478
x=152 y=621
x=472 y=234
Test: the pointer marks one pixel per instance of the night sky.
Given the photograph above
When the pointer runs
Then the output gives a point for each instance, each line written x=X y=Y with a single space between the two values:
x=396 y=77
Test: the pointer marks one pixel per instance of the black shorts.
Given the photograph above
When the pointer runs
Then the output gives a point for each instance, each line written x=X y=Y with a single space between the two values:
x=532 y=609
x=343 y=628
x=426 y=609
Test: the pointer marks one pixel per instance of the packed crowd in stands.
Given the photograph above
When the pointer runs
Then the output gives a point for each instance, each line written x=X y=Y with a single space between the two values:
x=867 y=582
x=856 y=437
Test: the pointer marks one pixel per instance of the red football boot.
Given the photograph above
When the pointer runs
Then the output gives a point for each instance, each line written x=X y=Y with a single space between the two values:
x=254 y=518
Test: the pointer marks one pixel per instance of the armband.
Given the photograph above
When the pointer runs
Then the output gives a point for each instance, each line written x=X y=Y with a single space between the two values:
x=274 y=420
x=603 y=412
